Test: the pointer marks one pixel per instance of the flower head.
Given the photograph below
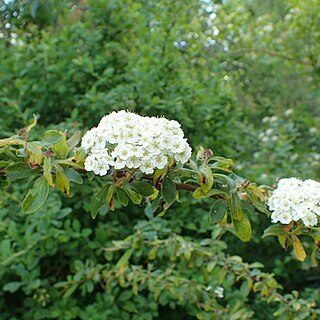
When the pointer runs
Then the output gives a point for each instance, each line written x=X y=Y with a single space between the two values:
x=295 y=200
x=126 y=140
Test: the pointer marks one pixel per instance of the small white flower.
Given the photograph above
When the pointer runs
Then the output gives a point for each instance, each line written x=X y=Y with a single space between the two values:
x=145 y=140
x=124 y=152
x=88 y=139
x=273 y=119
x=147 y=167
x=119 y=164
x=269 y=131
x=101 y=169
x=288 y=112
x=310 y=219
x=90 y=163
x=313 y=131
x=177 y=146
x=137 y=151
x=160 y=161
x=133 y=162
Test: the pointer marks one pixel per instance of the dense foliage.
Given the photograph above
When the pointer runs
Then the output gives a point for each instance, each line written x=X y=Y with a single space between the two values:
x=241 y=78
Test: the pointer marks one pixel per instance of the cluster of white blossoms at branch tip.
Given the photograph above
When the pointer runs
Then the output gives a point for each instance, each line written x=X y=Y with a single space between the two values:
x=295 y=200
x=125 y=140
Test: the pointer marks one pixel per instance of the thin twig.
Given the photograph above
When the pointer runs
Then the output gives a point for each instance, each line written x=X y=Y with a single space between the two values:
x=269 y=52
x=179 y=185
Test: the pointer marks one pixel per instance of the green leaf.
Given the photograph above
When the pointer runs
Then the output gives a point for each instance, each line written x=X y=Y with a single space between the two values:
x=91 y=175
x=168 y=189
x=4 y=183
x=217 y=211
x=47 y=167
x=34 y=8
x=73 y=175
x=10 y=154
x=123 y=261
x=242 y=227
x=201 y=154
x=208 y=183
x=256 y=265
x=248 y=208
x=20 y=171
x=222 y=163
x=159 y=174
x=225 y=179
x=153 y=253
x=199 y=194
x=63 y=182
x=33 y=123
x=283 y=240
x=61 y=149
x=35 y=153
x=109 y=197
x=313 y=256
x=36 y=197
x=12 y=286
x=80 y=156
x=70 y=290
x=235 y=207
x=74 y=140
x=3 y=163
x=143 y=188
x=245 y=287
x=155 y=204
x=130 y=307
x=98 y=200
x=148 y=211
x=298 y=248
x=273 y=230
x=191 y=164
x=51 y=137
x=5 y=248
x=257 y=203
x=134 y=196
x=257 y=191
x=165 y=207
x=122 y=196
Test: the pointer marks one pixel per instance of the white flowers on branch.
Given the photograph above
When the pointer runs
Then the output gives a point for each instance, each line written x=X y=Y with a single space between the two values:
x=295 y=200
x=125 y=140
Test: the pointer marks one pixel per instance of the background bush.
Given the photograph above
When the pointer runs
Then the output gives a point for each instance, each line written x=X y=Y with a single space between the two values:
x=242 y=78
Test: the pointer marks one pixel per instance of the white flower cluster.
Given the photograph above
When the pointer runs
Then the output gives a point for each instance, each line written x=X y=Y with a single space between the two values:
x=219 y=291
x=125 y=140
x=295 y=200
x=268 y=135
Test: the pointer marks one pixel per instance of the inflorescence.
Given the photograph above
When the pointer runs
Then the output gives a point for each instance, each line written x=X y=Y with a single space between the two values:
x=125 y=140
x=295 y=200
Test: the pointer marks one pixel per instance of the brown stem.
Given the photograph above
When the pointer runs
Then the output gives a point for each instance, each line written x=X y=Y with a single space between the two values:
x=270 y=53
x=122 y=174
x=189 y=187
x=288 y=227
x=183 y=186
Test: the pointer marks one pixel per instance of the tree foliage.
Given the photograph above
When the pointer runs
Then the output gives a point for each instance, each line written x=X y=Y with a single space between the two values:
x=228 y=72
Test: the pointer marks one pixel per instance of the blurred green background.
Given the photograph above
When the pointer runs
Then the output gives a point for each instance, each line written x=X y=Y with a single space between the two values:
x=242 y=77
